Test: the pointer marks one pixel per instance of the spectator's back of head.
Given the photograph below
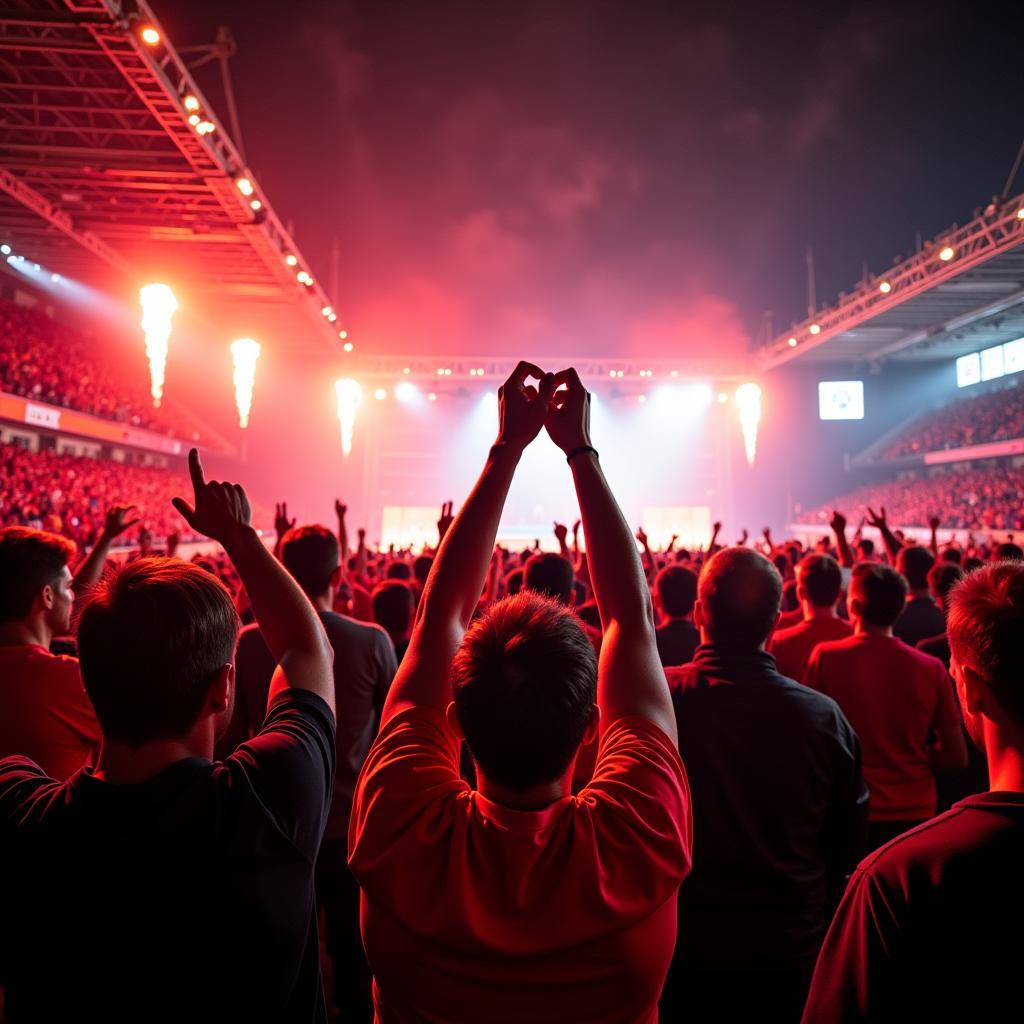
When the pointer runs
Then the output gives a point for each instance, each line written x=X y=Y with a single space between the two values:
x=915 y=562
x=310 y=554
x=676 y=590
x=30 y=561
x=878 y=593
x=524 y=682
x=820 y=580
x=394 y=605
x=986 y=623
x=740 y=593
x=941 y=580
x=1008 y=552
x=551 y=575
x=954 y=555
x=866 y=548
x=153 y=637
x=421 y=568
x=398 y=570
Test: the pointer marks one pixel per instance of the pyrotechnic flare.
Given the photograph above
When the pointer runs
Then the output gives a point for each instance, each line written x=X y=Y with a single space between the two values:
x=158 y=306
x=350 y=394
x=244 y=353
x=748 y=402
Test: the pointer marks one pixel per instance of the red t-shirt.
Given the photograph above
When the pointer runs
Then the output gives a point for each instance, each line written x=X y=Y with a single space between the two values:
x=792 y=648
x=895 y=697
x=474 y=912
x=44 y=711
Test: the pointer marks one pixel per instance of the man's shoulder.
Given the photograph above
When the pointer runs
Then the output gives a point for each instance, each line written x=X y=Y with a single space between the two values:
x=352 y=630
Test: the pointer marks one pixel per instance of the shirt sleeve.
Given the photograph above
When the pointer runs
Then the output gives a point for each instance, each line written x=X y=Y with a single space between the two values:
x=856 y=970
x=642 y=796
x=289 y=766
x=407 y=785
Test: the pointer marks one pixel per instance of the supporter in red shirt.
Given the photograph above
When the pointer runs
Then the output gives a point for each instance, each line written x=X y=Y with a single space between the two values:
x=896 y=698
x=922 y=932
x=819 y=584
x=519 y=901
x=44 y=712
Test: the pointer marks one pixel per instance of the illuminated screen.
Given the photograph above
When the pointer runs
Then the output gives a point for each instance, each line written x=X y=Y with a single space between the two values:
x=992 y=363
x=841 y=400
x=968 y=370
x=1013 y=356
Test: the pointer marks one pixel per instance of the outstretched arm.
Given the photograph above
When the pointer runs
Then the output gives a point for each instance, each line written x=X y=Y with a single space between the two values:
x=286 y=619
x=881 y=523
x=457 y=576
x=934 y=523
x=89 y=572
x=340 y=511
x=838 y=524
x=630 y=679
x=561 y=535
x=649 y=566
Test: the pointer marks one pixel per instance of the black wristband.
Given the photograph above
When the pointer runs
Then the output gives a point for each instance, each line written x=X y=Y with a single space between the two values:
x=579 y=451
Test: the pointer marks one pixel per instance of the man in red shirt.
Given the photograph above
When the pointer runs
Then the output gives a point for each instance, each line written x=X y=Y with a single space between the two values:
x=921 y=933
x=519 y=901
x=819 y=582
x=44 y=711
x=898 y=701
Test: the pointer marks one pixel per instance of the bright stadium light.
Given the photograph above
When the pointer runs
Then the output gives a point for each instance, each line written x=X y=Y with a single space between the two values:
x=191 y=103
x=245 y=186
x=291 y=259
x=946 y=253
x=406 y=391
x=748 y=403
x=815 y=329
x=885 y=287
x=255 y=204
x=349 y=395
x=343 y=335
x=194 y=119
x=158 y=306
x=380 y=394
x=791 y=342
x=348 y=346
x=150 y=36
x=244 y=353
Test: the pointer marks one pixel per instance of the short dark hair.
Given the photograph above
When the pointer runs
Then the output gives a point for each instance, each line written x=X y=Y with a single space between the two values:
x=1009 y=552
x=524 y=682
x=551 y=575
x=676 y=588
x=740 y=593
x=954 y=555
x=310 y=554
x=880 y=591
x=866 y=546
x=943 y=577
x=421 y=568
x=986 y=622
x=398 y=570
x=29 y=560
x=514 y=581
x=821 y=580
x=915 y=562
x=153 y=635
x=394 y=605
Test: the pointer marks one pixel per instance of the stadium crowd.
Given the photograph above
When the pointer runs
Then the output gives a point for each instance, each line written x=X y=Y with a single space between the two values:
x=596 y=785
x=993 y=416
x=982 y=498
x=51 y=362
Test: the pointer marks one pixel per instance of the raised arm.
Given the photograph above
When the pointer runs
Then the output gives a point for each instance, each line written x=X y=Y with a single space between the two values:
x=457 y=576
x=934 y=523
x=340 y=511
x=118 y=520
x=881 y=523
x=282 y=524
x=286 y=619
x=561 y=535
x=630 y=679
x=838 y=524
x=648 y=558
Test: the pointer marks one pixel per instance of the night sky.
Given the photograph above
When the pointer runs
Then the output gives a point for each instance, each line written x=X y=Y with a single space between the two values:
x=606 y=178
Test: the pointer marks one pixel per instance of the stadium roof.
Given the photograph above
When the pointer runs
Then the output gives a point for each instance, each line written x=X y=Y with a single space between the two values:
x=112 y=160
x=961 y=292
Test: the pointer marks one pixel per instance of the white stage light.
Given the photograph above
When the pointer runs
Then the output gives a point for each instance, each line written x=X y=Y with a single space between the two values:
x=244 y=353
x=406 y=391
x=158 y=306
x=748 y=402
x=349 y=395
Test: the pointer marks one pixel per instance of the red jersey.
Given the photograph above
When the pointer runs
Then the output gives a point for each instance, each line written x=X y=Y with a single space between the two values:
x=44 y=711
x=895 y=697
x=792 y=647
x=472 y=911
